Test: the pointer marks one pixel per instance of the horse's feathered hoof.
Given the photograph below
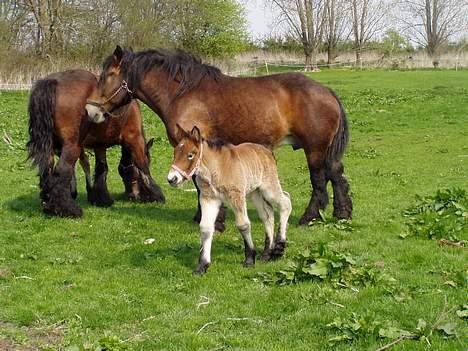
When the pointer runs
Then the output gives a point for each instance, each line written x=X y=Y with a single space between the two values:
x=201 y=269
x=278 y=250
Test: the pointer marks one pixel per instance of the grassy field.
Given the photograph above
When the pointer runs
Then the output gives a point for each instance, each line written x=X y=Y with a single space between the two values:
x=93 y=284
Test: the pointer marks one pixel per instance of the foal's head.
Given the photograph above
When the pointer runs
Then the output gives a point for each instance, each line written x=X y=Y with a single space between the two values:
x=187 y=156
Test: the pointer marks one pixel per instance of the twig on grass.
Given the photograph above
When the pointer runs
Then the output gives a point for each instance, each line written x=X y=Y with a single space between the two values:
x=396 y=341
x=206 y=325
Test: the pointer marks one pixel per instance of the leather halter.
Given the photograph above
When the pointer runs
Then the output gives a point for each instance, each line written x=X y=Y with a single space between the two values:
x=123 y=86
x=194 y=170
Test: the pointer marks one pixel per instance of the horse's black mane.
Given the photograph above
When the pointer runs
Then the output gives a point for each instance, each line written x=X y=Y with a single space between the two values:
x=217 y=143
x=182 y=67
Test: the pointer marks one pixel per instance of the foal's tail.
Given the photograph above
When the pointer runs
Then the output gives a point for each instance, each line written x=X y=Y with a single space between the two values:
x=338 y=145
x=41 y=124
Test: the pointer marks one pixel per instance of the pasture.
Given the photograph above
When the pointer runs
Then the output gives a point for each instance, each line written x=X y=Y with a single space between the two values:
x=93 y=283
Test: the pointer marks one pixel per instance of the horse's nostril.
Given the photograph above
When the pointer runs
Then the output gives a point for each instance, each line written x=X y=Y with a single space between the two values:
x=172 y=180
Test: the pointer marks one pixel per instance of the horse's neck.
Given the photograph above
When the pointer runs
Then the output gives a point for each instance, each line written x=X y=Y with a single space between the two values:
x=157 y=91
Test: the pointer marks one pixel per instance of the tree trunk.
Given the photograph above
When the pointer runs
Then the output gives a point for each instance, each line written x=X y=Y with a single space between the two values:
x=331 y=54
x=358 y=57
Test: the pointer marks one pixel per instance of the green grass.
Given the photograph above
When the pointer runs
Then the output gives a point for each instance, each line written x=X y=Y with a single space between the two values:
x=83 y=283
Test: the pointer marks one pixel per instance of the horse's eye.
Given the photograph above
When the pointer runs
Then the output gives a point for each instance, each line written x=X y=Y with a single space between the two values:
x=190 y=156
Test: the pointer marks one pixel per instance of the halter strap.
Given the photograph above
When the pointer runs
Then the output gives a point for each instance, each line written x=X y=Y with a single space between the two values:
x=124 y=85
x=194 y=170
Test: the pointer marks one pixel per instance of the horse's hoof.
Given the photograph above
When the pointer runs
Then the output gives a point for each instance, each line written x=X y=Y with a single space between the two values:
x=307 y=218
x=342 y=213
x=68 y=211
x=104 y=203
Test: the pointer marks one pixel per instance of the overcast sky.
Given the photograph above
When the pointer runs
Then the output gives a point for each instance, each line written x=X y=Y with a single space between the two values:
x=259 y=18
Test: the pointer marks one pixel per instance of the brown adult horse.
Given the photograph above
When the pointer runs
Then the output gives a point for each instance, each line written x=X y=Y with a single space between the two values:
x=59 y=124
x=272 y=110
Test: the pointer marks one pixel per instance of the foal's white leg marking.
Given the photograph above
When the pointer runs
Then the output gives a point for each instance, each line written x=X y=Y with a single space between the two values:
x=209 y=210
x=266 y=214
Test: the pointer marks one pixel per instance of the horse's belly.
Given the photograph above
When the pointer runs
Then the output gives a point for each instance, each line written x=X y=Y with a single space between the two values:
x=290 y=140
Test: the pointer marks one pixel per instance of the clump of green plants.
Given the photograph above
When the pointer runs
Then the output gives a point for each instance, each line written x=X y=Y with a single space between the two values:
x=363 y=326
x=442 y=216
x=324 y=263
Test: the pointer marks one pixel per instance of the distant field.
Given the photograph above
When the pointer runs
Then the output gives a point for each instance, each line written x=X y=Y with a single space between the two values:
x=93 y=284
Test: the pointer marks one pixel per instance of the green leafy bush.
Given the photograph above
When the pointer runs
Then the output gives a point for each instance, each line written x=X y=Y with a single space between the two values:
x=443 y=215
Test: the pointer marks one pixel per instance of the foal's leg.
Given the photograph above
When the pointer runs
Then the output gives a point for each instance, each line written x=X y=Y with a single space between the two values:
x=342 y=204
x=319 y=199
x=210 y=208
x=102 y=197
x=243 y=225
x=219 y=224
x=84 y=163
x=266 y=214
x=129 y=174
x=273 y=193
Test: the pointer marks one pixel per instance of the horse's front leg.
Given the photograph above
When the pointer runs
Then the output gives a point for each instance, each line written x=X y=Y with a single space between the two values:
x=219 y=223
x=210 y=209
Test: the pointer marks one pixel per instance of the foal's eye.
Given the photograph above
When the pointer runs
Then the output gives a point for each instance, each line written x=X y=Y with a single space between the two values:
x=190 y=156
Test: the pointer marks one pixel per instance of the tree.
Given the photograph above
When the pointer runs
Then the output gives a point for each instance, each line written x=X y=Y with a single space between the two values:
x=210 y=28
x=367 y=20
x=431 y=23
x=336 y=12
x=306 y=22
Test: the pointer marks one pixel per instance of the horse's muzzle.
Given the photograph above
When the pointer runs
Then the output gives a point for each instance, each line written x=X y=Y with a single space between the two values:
x=95 y=113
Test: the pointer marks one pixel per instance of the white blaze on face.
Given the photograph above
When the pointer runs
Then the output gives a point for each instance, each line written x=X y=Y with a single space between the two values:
x=174 y=178
x=95 y=114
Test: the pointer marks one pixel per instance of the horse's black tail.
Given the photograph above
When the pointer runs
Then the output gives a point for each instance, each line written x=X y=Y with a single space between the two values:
x=338 y=146
x=41 y=124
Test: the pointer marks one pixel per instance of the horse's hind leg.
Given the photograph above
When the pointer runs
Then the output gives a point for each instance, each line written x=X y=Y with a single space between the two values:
x=342 y=204
x=73 y=187
x=319 y=198
x=59 y=201
x=84 y=163
x=101 y=194
x=267 y=216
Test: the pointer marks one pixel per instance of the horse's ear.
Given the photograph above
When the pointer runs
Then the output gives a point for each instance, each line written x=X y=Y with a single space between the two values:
x=196 y=134
x=149 y=144
x=118 y=54
x=180 y=132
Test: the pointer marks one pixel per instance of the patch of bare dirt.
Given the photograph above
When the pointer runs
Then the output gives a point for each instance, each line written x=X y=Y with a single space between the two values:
x=29 y=338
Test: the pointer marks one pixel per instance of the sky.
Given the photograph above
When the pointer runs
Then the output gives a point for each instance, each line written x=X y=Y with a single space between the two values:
x=259 y=18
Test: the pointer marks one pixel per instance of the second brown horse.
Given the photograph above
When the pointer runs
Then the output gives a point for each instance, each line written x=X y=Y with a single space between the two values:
x=59 y=124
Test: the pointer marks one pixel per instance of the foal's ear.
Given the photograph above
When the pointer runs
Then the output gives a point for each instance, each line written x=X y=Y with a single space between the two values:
x=180 y=132
x=196 y=133
x=118 y=54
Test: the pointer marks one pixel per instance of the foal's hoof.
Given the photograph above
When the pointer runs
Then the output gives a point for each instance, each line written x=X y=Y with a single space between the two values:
x=266 y=256
x=278 y=250
x=201 y=269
